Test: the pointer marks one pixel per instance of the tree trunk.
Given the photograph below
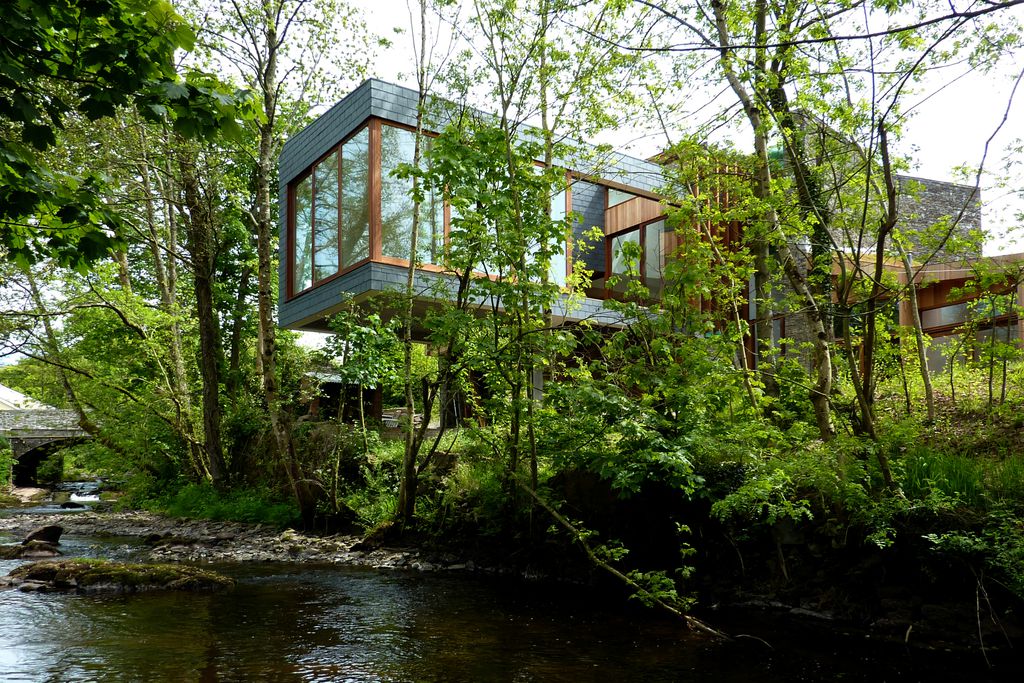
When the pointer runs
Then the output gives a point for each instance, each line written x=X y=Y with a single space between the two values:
x=201 y=246
x=163 y=250
x=915 y=318
x=234 y=377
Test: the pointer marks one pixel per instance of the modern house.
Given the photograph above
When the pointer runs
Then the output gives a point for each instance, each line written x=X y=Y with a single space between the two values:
x=346 y=221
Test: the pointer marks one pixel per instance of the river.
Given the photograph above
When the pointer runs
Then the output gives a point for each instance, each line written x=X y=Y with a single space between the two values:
x=295 y=622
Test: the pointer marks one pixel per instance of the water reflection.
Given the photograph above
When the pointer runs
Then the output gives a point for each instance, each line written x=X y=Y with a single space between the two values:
x=327 y=624
x=314 y=625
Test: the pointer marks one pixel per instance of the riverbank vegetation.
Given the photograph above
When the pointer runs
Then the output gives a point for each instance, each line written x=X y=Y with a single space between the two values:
x=668 y=449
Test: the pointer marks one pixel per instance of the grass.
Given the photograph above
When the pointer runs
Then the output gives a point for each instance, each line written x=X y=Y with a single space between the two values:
x=957 y=476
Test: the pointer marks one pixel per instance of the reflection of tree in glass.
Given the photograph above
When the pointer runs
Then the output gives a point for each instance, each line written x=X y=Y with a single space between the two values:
x=302 y=272
x=396 y=204
x=625 y=259
x=326 y=209
x=355 y=205
x=430 y=246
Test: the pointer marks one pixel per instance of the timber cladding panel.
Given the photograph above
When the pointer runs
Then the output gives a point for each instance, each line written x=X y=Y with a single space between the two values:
x=630 y=213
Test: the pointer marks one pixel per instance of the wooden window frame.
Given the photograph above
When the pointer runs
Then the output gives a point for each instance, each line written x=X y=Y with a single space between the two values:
x=641 y=228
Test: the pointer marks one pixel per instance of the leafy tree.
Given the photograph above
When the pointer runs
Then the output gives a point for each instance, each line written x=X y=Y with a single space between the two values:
x=65 y=60
x=265 y=43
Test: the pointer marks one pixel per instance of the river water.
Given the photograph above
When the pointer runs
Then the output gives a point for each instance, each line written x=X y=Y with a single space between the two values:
x=302 y=623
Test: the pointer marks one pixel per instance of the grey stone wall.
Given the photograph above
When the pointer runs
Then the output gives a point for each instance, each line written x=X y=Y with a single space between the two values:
x=923 y=203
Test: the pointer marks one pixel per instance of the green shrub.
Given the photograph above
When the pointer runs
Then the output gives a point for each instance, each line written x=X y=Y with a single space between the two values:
x=375 y=500
x=239 y=505
x=51 y=468
x=475 y=494
x=769 y=496
x=998 y=546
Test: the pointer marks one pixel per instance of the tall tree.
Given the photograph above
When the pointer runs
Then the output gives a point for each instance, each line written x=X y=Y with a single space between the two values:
x=272 y=46
x=821 y=88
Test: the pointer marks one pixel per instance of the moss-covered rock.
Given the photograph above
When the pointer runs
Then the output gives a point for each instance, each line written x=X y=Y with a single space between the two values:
x=119 y=577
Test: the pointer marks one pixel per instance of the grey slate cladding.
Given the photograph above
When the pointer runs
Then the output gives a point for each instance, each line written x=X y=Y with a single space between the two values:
x=396 y=103
x=588 y=200
x=382 y=277
x=323 y=297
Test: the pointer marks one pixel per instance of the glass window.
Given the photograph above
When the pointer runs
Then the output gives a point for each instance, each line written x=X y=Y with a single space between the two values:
x=355 y=204
x=655 y=249
x=618 y=196
x=302 y=271
x=557 y=267
x=396 y=204
x=325 y=203
x=624 y=258
x=947 y=315
x=430 y=245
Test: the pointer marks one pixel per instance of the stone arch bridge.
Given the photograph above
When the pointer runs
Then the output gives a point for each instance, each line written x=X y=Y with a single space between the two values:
x=35 y=434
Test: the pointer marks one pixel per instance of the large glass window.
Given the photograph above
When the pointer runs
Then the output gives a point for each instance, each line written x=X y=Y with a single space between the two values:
x=396 y=204
x=355 y=202
x=325 y=202
x=302 y=266
x=659 y=242
x=655 y=248
x=331 y=219
x=947 y=315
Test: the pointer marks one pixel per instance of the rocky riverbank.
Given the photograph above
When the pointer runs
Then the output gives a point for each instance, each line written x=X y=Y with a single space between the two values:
x=189 y=540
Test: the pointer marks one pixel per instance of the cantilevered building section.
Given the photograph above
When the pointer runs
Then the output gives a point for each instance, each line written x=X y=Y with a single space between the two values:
x=346 y=222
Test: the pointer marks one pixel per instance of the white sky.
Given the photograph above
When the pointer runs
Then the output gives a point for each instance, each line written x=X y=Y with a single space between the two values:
x=949 y=129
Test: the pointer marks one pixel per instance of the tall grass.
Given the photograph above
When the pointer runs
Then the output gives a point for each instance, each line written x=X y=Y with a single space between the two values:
x=957 y=476
x=240 y=505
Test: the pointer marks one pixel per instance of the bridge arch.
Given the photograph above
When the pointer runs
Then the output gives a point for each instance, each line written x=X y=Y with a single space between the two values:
x=30 y=454
x=35 y=434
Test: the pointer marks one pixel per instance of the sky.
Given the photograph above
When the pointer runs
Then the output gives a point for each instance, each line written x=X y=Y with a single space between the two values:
x=949 y=128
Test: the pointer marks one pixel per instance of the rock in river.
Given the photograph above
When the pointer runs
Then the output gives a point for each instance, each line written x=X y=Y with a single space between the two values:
x=48 y=534
x=88 y=576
